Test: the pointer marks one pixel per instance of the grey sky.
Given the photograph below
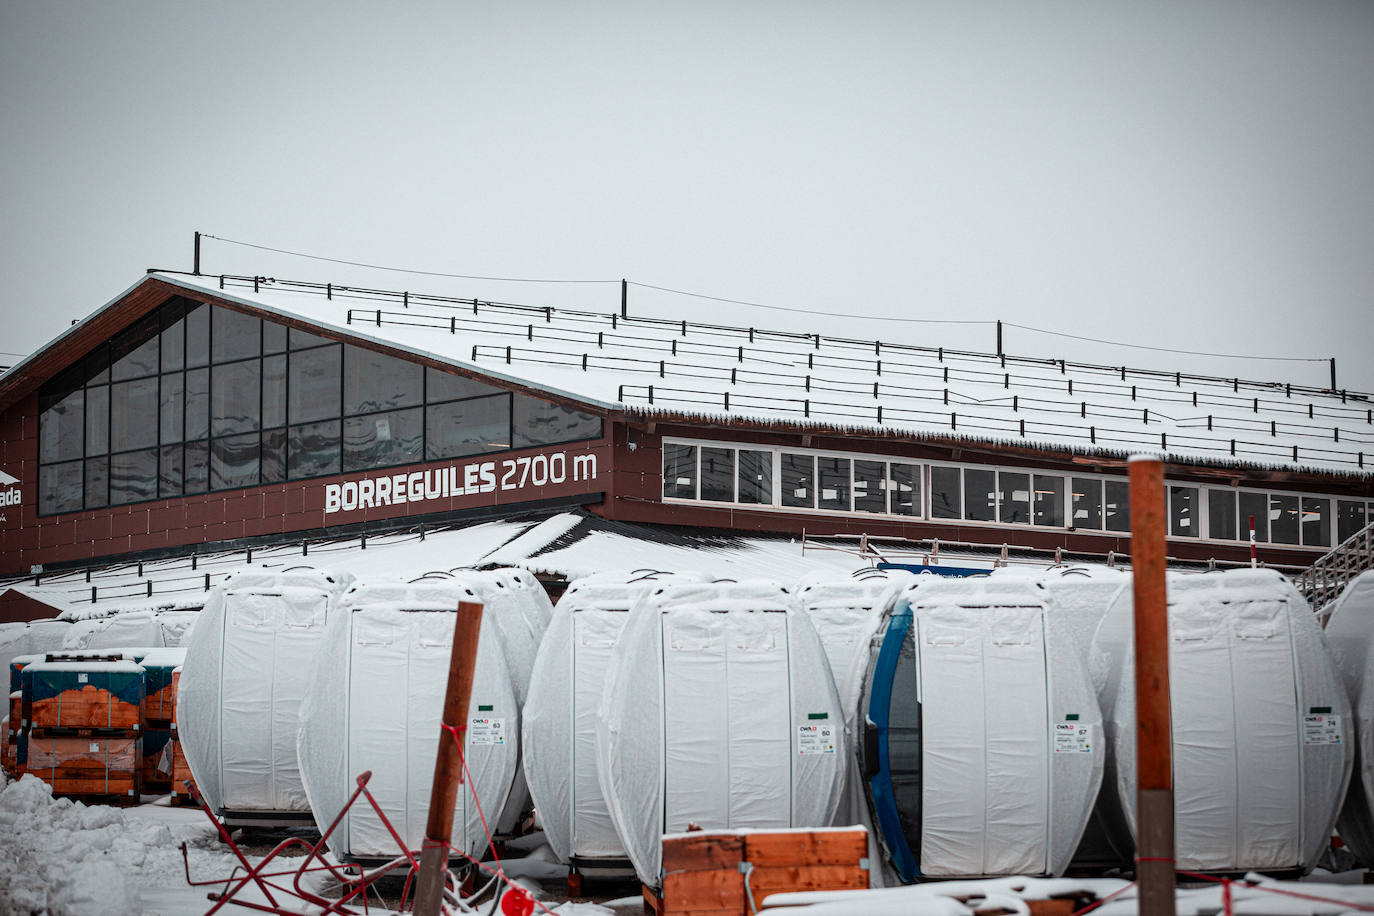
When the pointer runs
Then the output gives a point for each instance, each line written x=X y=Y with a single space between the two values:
x=1197 y=176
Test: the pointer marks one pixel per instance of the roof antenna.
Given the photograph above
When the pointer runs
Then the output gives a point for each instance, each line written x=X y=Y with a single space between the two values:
x=195 y=263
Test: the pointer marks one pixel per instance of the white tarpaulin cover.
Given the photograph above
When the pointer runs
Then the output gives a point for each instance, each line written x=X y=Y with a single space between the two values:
x=559 y=725
x=1350 y=633
x=1261 y=737
x=514 y=602
x=841 y=607
x=176 y=626
x=241 y=687
x=718 y=710
x=1010 y=757
x=131 y=628
x=375 y=702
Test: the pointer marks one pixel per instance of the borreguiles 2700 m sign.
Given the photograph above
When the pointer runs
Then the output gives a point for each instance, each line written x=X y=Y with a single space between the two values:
x=508 y=475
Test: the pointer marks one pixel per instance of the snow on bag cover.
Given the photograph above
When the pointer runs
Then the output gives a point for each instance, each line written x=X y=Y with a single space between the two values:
x=131 y=628
x=558 y=729
x=241 y=686
x=718 y=709
x=982 y=752
x=1350 y=634
x=1261 y=739
x=374 y=702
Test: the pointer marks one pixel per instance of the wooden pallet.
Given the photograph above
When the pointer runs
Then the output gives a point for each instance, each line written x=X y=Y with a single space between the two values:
x=127 y=800
x=703 y=874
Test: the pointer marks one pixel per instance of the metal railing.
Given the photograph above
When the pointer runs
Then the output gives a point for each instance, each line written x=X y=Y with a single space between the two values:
x=1321 y=582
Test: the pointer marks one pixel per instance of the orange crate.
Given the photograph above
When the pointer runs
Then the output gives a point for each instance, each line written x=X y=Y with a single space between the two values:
x=88 y=707
x=702 y=874
x=85 y=766
x=181 y=772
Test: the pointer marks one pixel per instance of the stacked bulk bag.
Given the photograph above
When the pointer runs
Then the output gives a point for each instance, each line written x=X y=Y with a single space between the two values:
x=375 y=703
x=175 y=627
x=841 y=609
x=558 y=729
x=982 y=749
x=129 y=628
x=718 y=710
x=240 y=691
x=1261 y=738
x=1350 y=634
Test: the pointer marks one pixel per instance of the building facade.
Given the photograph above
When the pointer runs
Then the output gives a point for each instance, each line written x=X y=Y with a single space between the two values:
x=195 y=410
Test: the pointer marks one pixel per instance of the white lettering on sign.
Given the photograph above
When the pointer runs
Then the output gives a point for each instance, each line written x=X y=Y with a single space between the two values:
x=458 y=480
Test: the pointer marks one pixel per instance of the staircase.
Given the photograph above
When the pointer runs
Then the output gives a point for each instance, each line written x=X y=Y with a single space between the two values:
x=1321 y=582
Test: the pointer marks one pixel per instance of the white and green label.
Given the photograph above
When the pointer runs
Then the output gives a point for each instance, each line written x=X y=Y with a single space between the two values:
x=815 y=738
x=1073 y=738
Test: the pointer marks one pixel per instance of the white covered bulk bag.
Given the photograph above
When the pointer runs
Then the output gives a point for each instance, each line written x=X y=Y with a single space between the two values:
x=239 y=697
x=375 y=702
x=1261 y=738
x=46 y=635
x=1082 y=596
x=718 y=710
x=558 y=728
x=983 y=750
x=130 y=628
x=1350 y=634
x=14 y=641
x=842 y=607
x=175 y=626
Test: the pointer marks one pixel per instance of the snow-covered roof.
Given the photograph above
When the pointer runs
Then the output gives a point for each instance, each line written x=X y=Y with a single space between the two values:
x=569 y=544
x=765 y=378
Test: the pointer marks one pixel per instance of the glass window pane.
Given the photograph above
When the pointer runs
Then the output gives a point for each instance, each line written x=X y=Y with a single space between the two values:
x=1350 y=518
x=374 y=381
x=234 y=335
x=834 y=483
x=173 y=400
x=98 y=420
x=1087 y=503
x=274 y=456
x=445 y=386
x=234 y=462
x=383 y=439
x=870 y=486
x=273 y=337
x=799 y=480
x=1183 y=512
x=133 y=415
x=1116 y=502
x=312 y=450
x=197 y=467
x=300 y=340
x=133 y=477
x=234 y=404
x=97 y=482
x=1316 y=521
x=174 y=346
x=1049 y=500
x=133 y=354
x=1254 y=507
x=314 y=380
x=273 y=391
x=197 y=335
x=945 y=498
x=60 y=487
x=679 y=471
x=755 y=477
x=467 y=427
x=62 y=420
x=538 y=422
x=1221 y=514
x=980 y=495
x=718 y=474
x=905 y=488
x=198 y=404
x=95 y=368
x=1283 y=519
x=1014 y=495
x=169 y=471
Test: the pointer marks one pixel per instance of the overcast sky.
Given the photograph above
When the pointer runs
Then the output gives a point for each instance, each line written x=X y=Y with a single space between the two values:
x=1196 y=176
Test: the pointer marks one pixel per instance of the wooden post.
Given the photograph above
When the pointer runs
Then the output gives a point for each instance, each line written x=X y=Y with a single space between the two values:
x=1154 y=733
x=448 y=765
x=625 y=307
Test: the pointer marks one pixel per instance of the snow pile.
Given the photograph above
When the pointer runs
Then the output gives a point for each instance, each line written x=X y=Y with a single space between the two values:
x=63 y=858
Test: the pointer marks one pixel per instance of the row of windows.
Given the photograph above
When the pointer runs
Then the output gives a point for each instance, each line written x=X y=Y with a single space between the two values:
x=798 y=479
x=198 y=398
